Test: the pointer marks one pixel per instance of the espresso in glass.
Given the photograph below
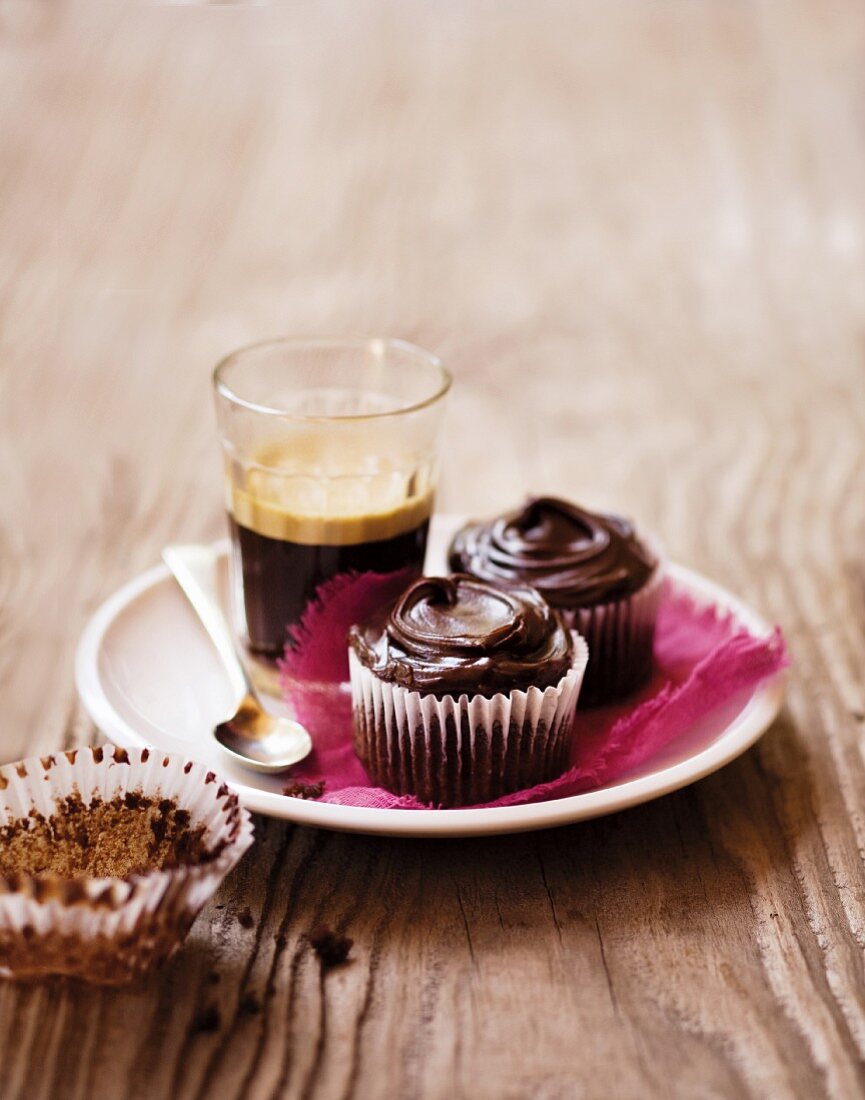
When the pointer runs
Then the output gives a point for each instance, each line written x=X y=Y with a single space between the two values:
x=330 y=458
x=285 y=553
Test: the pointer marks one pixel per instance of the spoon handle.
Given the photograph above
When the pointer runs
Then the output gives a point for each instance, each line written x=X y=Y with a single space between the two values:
x=189 y=564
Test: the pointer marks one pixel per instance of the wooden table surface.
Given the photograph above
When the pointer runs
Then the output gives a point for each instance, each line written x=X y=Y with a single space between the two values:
x=635 y=232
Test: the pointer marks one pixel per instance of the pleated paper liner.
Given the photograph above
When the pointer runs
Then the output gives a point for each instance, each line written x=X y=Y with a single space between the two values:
x=620 y=635
x=110 y=930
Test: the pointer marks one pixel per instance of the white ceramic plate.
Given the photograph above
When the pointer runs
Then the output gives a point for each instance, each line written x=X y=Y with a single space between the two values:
x=148 y=675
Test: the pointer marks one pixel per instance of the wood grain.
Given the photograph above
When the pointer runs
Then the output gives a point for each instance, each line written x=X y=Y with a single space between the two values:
x=635 y=231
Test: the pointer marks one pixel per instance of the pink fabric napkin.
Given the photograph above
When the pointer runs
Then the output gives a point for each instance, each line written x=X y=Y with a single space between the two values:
x=703 y=659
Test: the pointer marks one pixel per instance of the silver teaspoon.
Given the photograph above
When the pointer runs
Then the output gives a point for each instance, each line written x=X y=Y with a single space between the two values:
x=254 y=737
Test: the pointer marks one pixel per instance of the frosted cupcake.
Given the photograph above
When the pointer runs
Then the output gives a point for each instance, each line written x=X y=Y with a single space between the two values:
x=595 y=569
x=464 y=691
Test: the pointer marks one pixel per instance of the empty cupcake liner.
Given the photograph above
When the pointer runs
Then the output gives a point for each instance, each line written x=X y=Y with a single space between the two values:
x=464 y=750
x=620 y=636
x=111 y=930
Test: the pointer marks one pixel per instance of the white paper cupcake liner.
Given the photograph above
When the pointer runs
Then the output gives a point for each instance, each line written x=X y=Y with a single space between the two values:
x=110 y=930
x=464 y=750
x=621 y=637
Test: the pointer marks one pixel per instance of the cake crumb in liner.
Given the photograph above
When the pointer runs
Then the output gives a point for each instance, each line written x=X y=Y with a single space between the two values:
x=130 y=834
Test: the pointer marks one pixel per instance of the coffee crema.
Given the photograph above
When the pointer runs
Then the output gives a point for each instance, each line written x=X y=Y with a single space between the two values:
x=335 y=528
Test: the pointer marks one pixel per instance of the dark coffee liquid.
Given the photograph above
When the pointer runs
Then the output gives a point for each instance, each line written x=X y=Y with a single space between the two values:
x=281 y=577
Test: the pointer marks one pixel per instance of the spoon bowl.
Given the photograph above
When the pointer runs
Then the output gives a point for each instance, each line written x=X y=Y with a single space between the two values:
x=262 y=741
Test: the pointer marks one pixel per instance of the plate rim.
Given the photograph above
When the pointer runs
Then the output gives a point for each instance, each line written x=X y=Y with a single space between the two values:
x=742 y=732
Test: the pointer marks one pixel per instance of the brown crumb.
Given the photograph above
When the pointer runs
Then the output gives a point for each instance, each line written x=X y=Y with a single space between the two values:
x=208 y=1019
x=128 y=835
x=245 y=918
x=304 y=790
x=331 y=948
x=250 y=1005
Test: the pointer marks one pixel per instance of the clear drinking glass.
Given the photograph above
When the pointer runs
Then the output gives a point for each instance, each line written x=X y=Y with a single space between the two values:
x=330 y=453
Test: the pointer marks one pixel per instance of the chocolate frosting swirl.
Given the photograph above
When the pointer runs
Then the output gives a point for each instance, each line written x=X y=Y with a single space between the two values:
x=455 y=635
x=573 y=557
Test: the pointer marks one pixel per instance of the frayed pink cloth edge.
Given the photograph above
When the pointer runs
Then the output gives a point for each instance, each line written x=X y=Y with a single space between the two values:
x=704 y=658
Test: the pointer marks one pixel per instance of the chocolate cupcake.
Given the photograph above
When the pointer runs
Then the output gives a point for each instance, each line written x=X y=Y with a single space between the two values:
x=464 y=691
x=595 y=569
